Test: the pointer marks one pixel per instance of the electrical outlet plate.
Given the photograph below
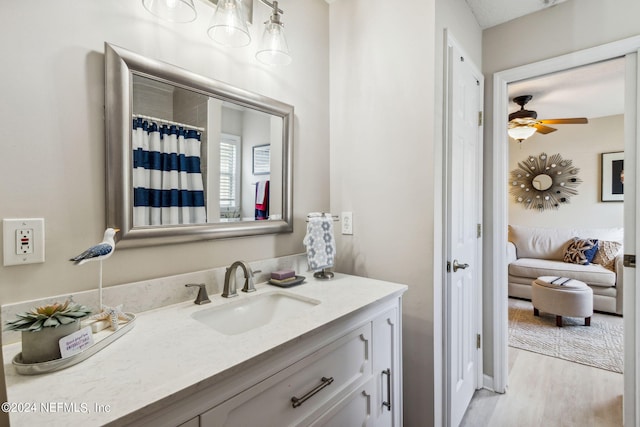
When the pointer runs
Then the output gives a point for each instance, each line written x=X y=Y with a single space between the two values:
x=23 y=241
x=346 y=219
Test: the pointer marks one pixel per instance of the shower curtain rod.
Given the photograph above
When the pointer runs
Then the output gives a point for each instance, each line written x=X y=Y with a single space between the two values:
x=169 y=122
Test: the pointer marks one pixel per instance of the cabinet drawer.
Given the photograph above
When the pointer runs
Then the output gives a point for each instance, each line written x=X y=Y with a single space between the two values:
x=352 y=411
x=343 y=364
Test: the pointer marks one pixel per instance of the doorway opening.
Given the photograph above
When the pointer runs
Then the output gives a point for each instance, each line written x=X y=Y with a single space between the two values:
x=499 y=162
x=583 y=114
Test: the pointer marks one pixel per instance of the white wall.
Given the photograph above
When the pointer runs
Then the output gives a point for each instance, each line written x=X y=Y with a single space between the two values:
x=255 y=127
x=386 y=95
x=583 y=144
x=564 y=28
x=52 y=162
x=382 y=164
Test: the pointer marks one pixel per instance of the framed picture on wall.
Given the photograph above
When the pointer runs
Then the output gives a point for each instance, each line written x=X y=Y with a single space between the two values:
x=612 y=182
x=262 y=159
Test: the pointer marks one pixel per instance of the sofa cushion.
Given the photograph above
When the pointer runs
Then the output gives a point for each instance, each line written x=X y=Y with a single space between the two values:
x=607 y=253
x=593 y=274
x=581 y=251
x=550 y=243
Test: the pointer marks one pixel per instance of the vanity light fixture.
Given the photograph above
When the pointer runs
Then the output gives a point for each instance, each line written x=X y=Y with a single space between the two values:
x=520 y=133
x=172 y=10
x=273 y=48
x=228 y=28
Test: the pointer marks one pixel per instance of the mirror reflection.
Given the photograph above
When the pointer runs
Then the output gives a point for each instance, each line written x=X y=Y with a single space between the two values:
x=542 y=182
x=198 y=159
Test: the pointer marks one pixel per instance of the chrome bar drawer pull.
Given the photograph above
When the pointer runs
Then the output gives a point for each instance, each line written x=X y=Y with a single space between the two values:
x=298 y=401
x=387 y=372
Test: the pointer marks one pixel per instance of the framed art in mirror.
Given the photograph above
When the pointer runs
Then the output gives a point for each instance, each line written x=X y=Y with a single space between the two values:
x=261 y=159
x=181 y=158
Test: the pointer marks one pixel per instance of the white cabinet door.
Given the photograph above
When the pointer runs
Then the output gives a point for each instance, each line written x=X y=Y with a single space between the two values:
x=386 y=369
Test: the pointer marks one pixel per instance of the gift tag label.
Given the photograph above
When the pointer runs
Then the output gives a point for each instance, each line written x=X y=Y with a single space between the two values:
x=76 y=342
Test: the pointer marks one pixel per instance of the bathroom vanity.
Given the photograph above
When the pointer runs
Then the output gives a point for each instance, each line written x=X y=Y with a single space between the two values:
x=335 y=362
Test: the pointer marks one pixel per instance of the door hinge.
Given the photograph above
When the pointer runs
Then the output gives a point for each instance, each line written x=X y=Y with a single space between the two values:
x=629 y=260
x=479 y=118
x=478 y=341
x=479 y=233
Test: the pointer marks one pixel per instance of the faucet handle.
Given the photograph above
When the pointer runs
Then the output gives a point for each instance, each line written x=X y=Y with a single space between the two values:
x=249 y=284
x=202 y=297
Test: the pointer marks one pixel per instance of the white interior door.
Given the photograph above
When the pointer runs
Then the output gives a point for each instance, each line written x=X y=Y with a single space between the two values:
x=464 y=195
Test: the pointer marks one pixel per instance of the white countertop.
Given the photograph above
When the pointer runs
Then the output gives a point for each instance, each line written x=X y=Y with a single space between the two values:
x=156 y=359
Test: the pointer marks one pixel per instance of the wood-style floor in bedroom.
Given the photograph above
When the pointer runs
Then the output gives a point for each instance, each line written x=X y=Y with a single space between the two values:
x=546 y=391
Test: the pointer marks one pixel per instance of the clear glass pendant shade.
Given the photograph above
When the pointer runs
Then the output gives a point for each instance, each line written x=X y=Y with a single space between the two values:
x=228 y=25
x=273 y=48
x=172 y=10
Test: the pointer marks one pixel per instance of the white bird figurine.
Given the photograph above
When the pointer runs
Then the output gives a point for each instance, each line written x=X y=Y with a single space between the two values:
x=99 y=252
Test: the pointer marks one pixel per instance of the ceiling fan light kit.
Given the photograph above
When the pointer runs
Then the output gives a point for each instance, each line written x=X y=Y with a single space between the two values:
x=520 y=133
x=524 y=123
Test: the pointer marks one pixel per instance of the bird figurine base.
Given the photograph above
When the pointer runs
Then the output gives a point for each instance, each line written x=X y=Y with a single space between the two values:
x=98 y=325
x=112 y=316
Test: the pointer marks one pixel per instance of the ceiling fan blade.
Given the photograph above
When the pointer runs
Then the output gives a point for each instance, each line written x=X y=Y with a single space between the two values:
x=574 y=121
x=544 y=129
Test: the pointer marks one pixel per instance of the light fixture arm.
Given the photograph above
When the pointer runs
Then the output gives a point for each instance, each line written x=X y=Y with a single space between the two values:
x=273 y=6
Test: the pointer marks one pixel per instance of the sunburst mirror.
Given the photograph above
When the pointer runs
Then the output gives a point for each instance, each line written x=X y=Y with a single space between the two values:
x=544 y=182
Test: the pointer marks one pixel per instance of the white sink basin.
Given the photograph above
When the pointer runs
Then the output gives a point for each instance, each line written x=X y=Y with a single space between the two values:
x=253 y=311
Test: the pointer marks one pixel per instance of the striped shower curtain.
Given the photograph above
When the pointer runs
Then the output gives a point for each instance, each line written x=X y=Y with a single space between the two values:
x=167 y=179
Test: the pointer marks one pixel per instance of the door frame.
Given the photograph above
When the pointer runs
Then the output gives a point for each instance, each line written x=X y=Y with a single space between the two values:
x=451 y=42
x=498 y=238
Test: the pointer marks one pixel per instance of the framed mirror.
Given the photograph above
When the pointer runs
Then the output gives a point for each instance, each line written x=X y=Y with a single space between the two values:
x=544 y=182
x=180 y=155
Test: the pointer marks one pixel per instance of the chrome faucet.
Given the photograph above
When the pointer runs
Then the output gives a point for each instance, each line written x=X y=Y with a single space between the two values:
x=230 y=279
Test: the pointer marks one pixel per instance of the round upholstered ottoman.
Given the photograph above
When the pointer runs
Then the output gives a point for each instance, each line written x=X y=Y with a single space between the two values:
x=563 y=297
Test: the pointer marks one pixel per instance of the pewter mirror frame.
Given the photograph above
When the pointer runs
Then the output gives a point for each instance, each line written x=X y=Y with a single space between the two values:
x=120 y=65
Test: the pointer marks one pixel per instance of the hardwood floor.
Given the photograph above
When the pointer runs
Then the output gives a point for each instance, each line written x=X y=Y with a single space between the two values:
x=545 y=391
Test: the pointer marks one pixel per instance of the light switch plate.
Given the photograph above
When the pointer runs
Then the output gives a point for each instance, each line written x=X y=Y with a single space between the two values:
x=16 y=249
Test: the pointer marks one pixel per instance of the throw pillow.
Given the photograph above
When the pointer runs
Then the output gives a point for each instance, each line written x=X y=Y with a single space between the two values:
x=606 y=255
x=581 y=251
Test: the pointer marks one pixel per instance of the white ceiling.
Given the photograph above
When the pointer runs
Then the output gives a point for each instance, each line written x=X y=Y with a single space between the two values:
x=493 y=12
x=591 y=91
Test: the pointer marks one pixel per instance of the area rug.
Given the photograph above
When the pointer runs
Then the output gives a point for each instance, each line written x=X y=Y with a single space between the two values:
x=599 y=345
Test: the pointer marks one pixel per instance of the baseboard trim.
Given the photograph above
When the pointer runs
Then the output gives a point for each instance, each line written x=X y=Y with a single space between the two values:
x=487 y=383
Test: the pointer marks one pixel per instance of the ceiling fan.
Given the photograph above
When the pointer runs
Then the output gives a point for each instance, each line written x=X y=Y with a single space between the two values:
x=524 y=123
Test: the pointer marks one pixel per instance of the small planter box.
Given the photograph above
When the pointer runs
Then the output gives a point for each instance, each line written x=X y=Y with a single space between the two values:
x=43 y=345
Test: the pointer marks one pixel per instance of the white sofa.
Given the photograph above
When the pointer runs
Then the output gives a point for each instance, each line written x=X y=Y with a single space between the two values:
x=536 y=251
